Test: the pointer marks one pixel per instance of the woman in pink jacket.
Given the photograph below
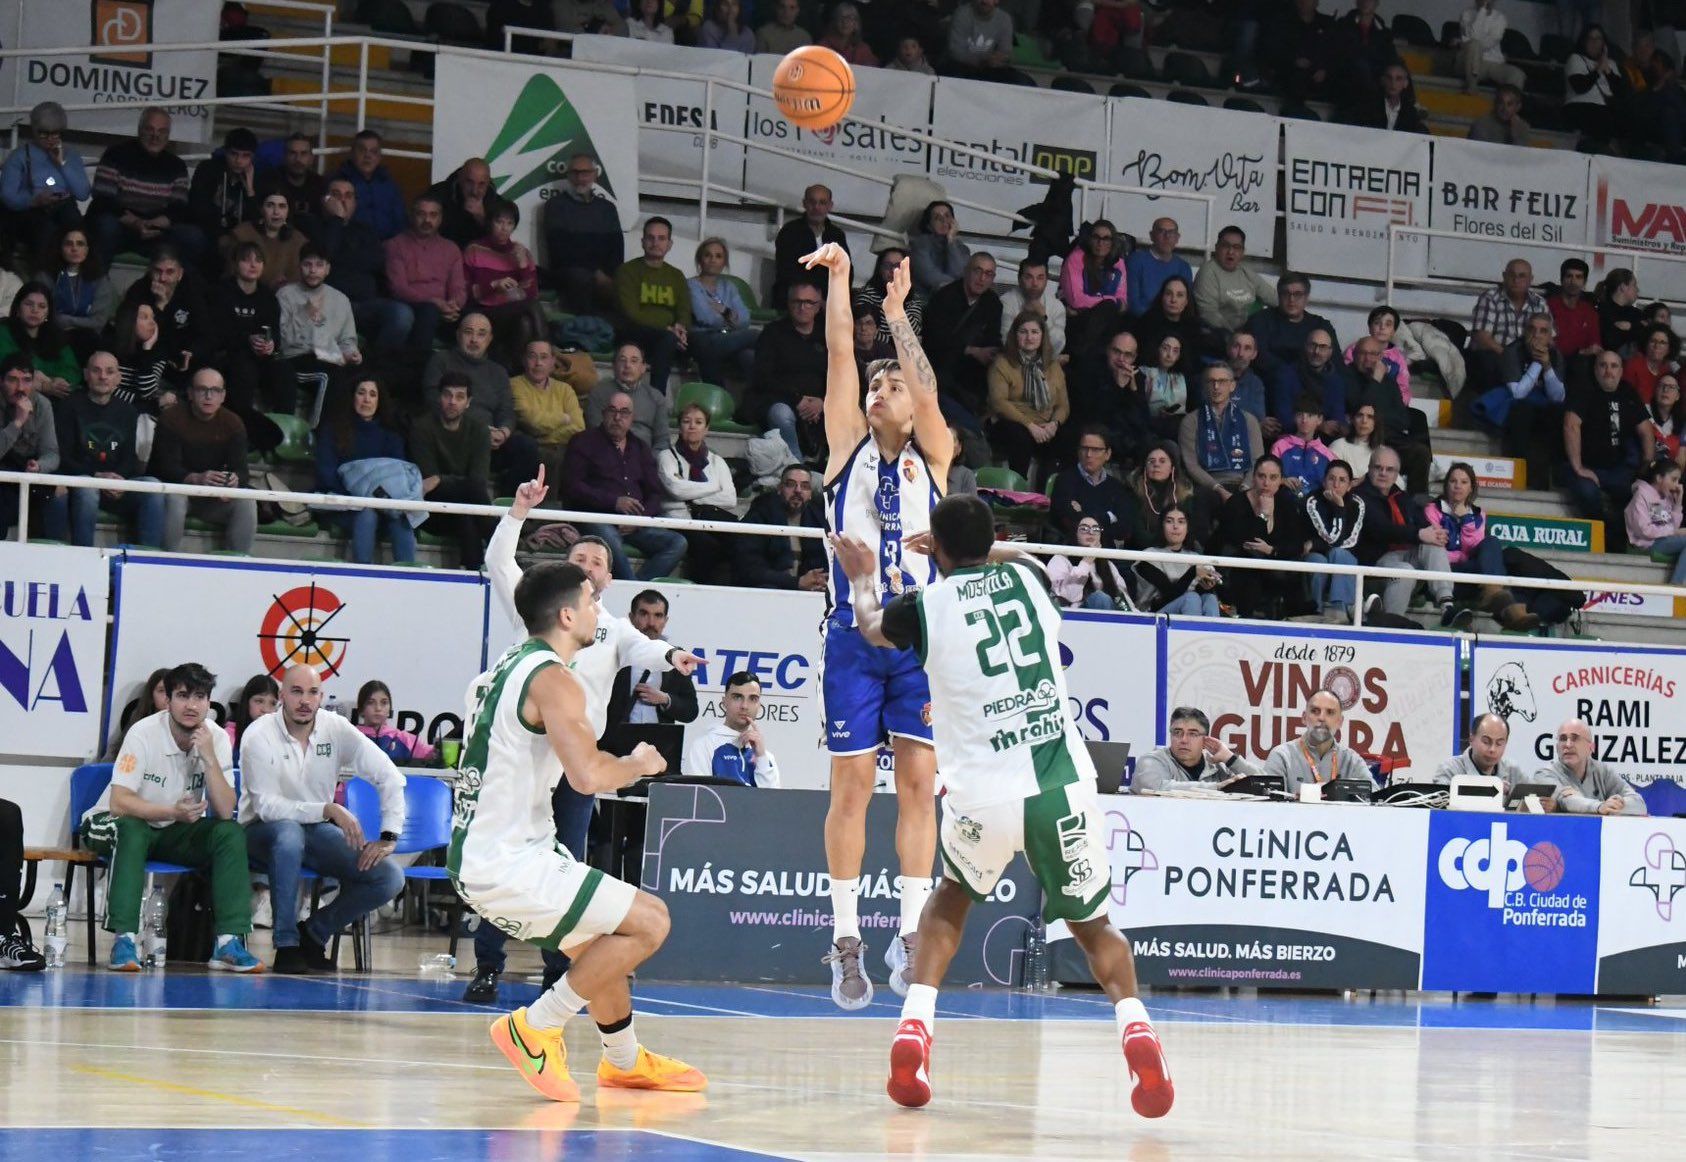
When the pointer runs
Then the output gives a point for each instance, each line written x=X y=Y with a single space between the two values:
x=1471 y=550
x=1093 y=285
x=1654 y=515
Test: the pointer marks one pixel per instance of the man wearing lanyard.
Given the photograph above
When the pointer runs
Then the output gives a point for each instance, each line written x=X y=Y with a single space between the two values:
x=733 y=747
x=1315 y=757
x=290 y=762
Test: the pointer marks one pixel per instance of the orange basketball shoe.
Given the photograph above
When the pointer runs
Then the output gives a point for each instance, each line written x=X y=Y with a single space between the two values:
x=652 y=1071
x=1154 y=1093
x=539 y=1054
x=910 y=1065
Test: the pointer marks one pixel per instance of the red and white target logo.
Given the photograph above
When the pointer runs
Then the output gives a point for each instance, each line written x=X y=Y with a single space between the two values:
x=297 y=631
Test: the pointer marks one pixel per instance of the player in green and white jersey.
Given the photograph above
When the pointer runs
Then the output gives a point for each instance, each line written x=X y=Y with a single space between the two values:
x=527 y=724
x=1015 y=771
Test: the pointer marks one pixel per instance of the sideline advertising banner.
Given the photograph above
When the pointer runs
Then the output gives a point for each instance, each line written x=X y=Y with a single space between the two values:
x=772 y=633
x=1512 y=902
x=1065 y=132
x=664 y=98
x=742 y=872
x=1190 y=149
x=1642 y=909
x=552 y=113
x=1637 y=206
x=421 y=632
x=52 y=649
x=1345 y=187
x=119 y=65
x=1628 y=695
x=1399 y=691
x=1267 y=895
x=889 y=98
x=1111 y=664
x=1500 y=198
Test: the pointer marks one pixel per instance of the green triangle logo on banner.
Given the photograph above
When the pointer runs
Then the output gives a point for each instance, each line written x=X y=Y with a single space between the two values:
x=541 y=132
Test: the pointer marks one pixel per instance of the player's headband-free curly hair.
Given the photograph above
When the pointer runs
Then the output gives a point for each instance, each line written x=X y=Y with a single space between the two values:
x=879 y=368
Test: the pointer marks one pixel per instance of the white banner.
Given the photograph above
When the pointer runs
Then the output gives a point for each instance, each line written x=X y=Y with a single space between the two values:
x=1190 y=149
x=673 y=101
x=551 y=113
x=1056 y=130
x=52 y=649
x=1345 y=187
x=1398 y=691
x=1637 y=206
x=422 y=633
x=1239 y=893
x=1500 y=198
x=1642 y=906
x=887 y=97
x=1628 y=695
x=118 y=67
x=1111 y=702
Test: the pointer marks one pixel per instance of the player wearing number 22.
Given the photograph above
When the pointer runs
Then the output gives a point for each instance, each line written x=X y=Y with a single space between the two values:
x=1016 y=774
x=882 y=479
x=528 y=722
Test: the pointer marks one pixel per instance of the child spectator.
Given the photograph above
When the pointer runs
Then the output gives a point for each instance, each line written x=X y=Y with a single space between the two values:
x=1088 y=582
x=1304 y=457
x=1654 y=516
x=374 y=719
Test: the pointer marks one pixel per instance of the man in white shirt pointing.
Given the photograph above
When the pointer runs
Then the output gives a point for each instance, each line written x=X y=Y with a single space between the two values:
x=290 y=763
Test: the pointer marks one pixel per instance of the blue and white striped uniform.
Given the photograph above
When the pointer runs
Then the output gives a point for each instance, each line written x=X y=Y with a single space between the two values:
x=867 y=692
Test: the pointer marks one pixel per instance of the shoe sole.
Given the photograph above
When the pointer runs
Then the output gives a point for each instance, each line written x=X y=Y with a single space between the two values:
x=907 y=1062
x=125 y=968
x=692 y=1081
x=1154 y=1093
x=224 y=966
x=845 y=1003
x=504 y=1038
x=898 y=968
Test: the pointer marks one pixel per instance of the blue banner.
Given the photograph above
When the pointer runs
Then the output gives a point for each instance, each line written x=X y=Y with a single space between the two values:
x=1512 y=903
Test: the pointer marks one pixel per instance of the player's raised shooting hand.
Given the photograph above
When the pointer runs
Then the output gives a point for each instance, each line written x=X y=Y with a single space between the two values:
x=529 y=496
x=896 y=290
x=647 y=760
x=830 y=257
x=857 y=558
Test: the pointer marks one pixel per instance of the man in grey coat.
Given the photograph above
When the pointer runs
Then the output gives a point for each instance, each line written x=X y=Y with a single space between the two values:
x=1489 y=735
x=29 y=442
x=1193 y=756
x=1586 y=786
x=1316 y=756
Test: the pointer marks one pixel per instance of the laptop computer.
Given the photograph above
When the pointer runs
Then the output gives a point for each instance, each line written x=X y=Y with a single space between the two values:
x=1110 y=759
x=667 y=737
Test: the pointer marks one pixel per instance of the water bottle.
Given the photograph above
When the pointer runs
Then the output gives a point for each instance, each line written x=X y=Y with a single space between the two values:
x=440 y=964
x=58 y=927
x=1036 y=958
x=152 y=929
x=332 y=704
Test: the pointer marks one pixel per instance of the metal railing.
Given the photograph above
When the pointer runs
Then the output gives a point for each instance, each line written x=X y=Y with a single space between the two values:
x=334 y=501
x=1585 y=249
x=1085 y=186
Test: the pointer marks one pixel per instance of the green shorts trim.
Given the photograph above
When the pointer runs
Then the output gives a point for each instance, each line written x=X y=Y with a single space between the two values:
x=576 y=909
x=1062 y=843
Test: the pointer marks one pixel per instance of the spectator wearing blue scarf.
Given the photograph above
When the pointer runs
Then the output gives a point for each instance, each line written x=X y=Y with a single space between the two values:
x=1219 y=441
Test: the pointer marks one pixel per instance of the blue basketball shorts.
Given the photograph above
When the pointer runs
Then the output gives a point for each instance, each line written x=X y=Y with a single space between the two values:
x=868 y=693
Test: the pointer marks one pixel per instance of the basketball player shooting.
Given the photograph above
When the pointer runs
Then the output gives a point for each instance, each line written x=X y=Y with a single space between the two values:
x=885 y=472
x=1016 y=772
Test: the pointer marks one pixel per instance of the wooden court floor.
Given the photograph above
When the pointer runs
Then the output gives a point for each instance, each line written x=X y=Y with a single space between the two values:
x=392 y=1065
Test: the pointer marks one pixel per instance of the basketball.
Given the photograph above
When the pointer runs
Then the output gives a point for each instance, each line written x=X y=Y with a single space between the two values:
x=1542 y=867
x=813 y=87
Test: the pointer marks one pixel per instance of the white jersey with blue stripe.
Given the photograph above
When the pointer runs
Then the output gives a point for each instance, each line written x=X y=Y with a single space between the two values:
x=883 y=502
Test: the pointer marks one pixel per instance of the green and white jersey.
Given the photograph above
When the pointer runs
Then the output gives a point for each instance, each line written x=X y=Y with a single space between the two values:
x=988 y=636
x=508 y=770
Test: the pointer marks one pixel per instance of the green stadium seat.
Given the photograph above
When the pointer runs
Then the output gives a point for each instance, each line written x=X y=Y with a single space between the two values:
x=757 y=313
x=1003 y=478
x=297 y=445
x=717 y=402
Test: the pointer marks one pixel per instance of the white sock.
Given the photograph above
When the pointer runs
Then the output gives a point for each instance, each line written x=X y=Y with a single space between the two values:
x=620 y=1044
x=921 y=1005
x=845 y=920
x=224 y=939
x=1129 y=1011
x=915 y=891
x=555 y=1006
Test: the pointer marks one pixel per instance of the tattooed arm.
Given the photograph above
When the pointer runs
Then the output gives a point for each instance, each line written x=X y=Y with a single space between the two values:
x=930 y=429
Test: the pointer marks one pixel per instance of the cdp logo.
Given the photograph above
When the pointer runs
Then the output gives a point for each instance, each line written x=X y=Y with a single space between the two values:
x=119 y=26
x=1499 y=865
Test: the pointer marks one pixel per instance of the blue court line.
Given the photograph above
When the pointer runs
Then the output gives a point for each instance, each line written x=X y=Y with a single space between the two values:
x=277 y=1145
x=190 y=988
